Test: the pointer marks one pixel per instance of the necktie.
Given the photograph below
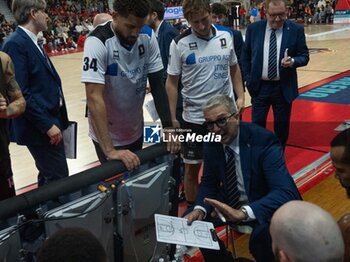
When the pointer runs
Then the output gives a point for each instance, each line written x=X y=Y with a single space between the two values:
x=272 y=67
x=232 y=193
x=40 y=44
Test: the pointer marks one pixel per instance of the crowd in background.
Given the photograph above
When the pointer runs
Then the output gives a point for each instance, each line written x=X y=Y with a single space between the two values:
x=70 y=21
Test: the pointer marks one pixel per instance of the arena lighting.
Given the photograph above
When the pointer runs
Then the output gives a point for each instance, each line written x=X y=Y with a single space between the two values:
x=13 y=206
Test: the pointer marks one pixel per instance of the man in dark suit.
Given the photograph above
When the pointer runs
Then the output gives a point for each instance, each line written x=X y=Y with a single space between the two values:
x=274 y=49
x=40 y=127
x=262 y=182
x=165 y=32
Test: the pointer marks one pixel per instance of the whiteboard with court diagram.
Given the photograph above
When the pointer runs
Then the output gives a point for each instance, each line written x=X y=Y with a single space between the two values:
x=175 y=230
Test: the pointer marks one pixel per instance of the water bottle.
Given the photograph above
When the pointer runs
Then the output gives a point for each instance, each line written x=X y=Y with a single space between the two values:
x=179 y=254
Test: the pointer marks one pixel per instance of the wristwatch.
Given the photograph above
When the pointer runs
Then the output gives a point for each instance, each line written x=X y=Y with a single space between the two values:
x=245 y=212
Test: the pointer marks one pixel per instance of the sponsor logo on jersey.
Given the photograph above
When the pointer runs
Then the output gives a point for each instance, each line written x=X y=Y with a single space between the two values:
x=193 y=45
x=116 y=54
x=223 y=42
x=141 y=50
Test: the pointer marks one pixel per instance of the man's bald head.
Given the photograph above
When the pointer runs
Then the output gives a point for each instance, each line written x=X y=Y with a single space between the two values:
x=101 y=18
x=302 y=231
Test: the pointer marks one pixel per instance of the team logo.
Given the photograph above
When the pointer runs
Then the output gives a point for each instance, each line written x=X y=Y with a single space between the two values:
x=223 y=42
x=141 y=50
x=193 y=46
x=116 y=54
x=151 y=134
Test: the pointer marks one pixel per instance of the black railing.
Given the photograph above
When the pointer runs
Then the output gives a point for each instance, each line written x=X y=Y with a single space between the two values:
x=12 y=206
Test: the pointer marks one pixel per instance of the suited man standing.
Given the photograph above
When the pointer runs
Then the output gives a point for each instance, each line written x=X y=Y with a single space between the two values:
x=275 y=47
x=165 y=32
x=244 y=177
x=40 y=127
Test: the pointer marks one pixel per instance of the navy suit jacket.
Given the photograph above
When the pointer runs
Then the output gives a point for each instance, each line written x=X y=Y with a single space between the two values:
x=166 y=34
x=238 y=45
x=267 y=181
x=293 y=38
x=41 y=87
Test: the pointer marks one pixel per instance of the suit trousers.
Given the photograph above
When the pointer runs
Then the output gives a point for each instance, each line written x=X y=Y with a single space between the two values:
x=51 y=162
x=270 y=94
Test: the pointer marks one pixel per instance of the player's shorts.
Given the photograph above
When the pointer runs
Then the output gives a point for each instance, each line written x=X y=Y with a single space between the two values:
x=192 y=151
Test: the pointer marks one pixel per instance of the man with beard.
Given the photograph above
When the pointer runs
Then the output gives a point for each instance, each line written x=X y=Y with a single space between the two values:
x=340 y=155
x=312 y=236
x=119 y=56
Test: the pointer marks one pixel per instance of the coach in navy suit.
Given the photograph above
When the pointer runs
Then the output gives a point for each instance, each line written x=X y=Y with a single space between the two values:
x=40 y=127
x=263 y=181
x=267 y=88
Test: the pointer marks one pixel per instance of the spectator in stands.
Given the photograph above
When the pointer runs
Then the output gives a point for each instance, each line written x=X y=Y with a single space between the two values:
x=307 y=14
x=81 y=39
x=71 y=44
x=316 y=17
x=340 y=155
x=302 y=231
x=242 y=16
x=12 y=104
x=72 y=245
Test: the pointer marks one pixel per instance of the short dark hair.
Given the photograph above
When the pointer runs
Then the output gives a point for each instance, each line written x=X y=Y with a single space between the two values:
x=343 y=139
x=190 y=7
x=218 y=9
x=72 y=245
x=158 y=7
x=138 y=8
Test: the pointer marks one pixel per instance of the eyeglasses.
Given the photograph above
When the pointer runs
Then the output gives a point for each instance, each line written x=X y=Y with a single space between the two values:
x=281 y=16
x=221 y=122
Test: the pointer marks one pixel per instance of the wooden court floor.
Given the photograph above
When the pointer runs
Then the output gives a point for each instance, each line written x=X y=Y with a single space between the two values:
x=322 y=64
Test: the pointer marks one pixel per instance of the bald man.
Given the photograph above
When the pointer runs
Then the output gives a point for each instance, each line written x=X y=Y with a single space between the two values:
x=302 y=231
x=101 y=18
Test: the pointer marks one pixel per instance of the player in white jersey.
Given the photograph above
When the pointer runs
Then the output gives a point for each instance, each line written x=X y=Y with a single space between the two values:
x=204 y=67
x=204 y=57
x=119 y=56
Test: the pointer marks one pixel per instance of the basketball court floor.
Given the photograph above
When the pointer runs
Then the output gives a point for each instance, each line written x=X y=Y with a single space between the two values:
x=321 y=108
